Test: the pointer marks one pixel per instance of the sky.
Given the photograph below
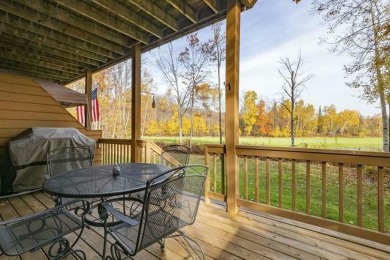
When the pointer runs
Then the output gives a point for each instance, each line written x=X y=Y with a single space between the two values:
x=278 y=29
x=272 y=30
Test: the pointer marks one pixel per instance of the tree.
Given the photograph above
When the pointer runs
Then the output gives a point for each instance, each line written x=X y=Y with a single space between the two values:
x=330 y=120
x=249 y=111
x=194 y=60
x=294 y=82
x=360 y=28
x=320 y=122
x=306 y=124
x=218 y=55
x=349 y=121
x=147 y=89
x=164 y=60
x=264 y=122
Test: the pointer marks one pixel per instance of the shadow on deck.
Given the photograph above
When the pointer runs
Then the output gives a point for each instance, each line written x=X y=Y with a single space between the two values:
x=246 y=235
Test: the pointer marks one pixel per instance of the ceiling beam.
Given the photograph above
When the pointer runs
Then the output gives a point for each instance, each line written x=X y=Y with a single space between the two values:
x=44 y=72
x=33 y=59
x=212 y=4
x=50 y=43
x=104 y=19
x=129 y=15
x=44 y=56
x=66 y=23
x=41 y=31
x=26 y=46
x=55 y=69
x=184 y=9
x=40 y=75
x=156 y=13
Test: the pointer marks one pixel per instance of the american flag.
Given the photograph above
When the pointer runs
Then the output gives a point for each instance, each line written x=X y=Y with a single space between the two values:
x=95 y=109
x=81 y=114
x=95 y=106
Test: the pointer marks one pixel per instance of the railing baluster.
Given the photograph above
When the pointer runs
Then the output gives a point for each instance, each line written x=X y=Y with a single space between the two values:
x=117 y=152
x=381 y=221
x=129 y=153
x=110 y=154
x=215 y=172
x=267 y=182
x=207 y=182
x=280 y=185
x=246 y=177
x=223 y=176
x=103 y=152
x=256 y=179
x=360 y=196
x=308 y=187
x=323 y=189
x=341 y=192
x=123 y=153
x=293 y=186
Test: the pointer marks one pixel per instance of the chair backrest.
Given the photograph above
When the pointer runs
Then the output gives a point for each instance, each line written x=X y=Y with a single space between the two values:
x=175 y=155
x=171 y=204
x=66 y=159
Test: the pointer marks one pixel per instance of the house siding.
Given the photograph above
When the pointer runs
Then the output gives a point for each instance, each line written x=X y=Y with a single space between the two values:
x=25 y=104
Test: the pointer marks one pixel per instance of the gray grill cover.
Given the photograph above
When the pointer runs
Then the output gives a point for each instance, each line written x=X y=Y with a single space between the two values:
x=28 y=153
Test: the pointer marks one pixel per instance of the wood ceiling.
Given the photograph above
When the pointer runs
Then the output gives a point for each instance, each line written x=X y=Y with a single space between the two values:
x=60 y=40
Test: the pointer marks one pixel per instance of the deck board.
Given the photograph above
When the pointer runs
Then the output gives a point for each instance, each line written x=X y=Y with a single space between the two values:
x=246 y=235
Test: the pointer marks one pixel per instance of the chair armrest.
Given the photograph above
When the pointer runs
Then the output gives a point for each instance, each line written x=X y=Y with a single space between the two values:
x=105 y=207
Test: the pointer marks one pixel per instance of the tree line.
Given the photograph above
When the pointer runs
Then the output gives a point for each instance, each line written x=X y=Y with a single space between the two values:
x=261 y=118
x=258 y=116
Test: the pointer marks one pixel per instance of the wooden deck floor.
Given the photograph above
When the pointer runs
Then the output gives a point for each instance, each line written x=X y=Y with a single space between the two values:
x=244 y=236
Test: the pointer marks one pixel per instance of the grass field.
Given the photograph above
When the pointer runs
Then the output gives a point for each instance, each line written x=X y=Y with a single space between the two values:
x=342 y=143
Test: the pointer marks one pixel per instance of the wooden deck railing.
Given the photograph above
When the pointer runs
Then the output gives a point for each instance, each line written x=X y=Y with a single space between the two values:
x=342 y=190
x=345 y=191
x=119 y=151
x=115 y=150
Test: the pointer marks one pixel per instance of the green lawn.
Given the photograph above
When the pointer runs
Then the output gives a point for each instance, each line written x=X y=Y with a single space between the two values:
x=363 y=144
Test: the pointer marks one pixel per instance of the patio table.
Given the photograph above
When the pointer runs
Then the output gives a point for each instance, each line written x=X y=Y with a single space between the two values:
x=100 y=182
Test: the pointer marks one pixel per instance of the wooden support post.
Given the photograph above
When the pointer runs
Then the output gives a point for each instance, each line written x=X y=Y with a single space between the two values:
x=232 y=101
x=88 y=92
x=136 y=102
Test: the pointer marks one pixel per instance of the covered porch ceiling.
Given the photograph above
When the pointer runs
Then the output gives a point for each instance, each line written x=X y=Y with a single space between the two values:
x=60 y=40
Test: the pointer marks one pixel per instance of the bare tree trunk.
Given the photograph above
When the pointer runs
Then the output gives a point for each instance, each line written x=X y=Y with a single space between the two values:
x=382 y=99
x=180 y=127
x=192 y=115
x=385 y=123
x=292 y=122
x=220 y=105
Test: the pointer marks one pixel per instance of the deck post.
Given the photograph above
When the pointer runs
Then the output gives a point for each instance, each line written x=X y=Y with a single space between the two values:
x=136 y=102
x=232 y=101
x=88 y=92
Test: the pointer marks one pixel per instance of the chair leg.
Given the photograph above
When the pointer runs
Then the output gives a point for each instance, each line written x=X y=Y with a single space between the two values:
x=62 y=248
x=200 y=253
x=162 y=244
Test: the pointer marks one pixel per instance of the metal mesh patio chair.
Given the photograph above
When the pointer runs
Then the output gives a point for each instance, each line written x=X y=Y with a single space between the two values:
x=35 y=231
x=179 y=192
x=66 y=159
x=175 y=155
